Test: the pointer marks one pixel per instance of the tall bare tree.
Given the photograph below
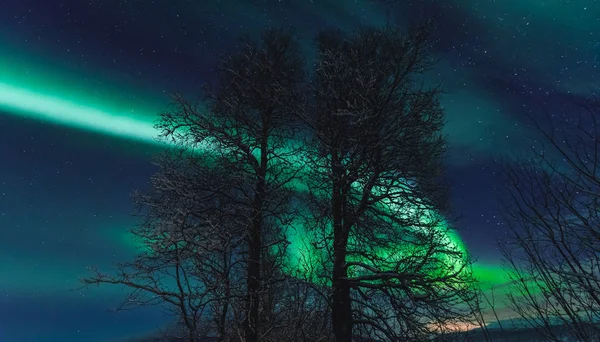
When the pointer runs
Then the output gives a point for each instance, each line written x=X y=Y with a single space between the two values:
x=249 y=124
x=220 y=208
x=553 y=251
x=242 y=130
x=377 y=181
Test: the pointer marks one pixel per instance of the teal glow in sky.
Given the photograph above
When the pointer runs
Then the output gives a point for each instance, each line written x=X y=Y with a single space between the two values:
x=78 y=115
x=59 y=109
x=62 y=110
x=66 y=112
x=96 y=73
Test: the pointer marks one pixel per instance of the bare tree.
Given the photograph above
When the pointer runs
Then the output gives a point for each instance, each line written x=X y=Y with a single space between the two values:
x=249 y=123
x=216 y=217
x=240 y=208
x=553 y=251
x=378 y=189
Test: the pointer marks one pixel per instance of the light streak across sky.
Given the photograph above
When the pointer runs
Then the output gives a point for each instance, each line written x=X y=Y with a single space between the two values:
x=70 y=113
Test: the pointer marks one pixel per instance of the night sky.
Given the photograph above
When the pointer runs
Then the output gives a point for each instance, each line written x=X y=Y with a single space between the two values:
x=82 y=82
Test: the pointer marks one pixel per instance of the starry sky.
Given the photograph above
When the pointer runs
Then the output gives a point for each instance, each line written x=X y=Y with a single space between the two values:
x=81 y=83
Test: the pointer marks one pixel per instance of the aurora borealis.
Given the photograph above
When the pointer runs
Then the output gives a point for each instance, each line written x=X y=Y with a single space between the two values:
x=81 y=83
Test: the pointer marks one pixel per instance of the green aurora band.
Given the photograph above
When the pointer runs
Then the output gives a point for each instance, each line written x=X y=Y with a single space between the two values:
x=34 y=101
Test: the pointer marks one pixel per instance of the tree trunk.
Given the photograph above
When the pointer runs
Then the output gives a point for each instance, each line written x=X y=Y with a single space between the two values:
x=251 y=324
x=223 y=317
x=341 y=311
x=253 y=281
x=342 y=306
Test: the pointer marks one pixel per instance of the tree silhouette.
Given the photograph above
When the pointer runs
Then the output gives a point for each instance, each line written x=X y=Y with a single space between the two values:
x=240 y=131
x=378 y=187
x=354 y=156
